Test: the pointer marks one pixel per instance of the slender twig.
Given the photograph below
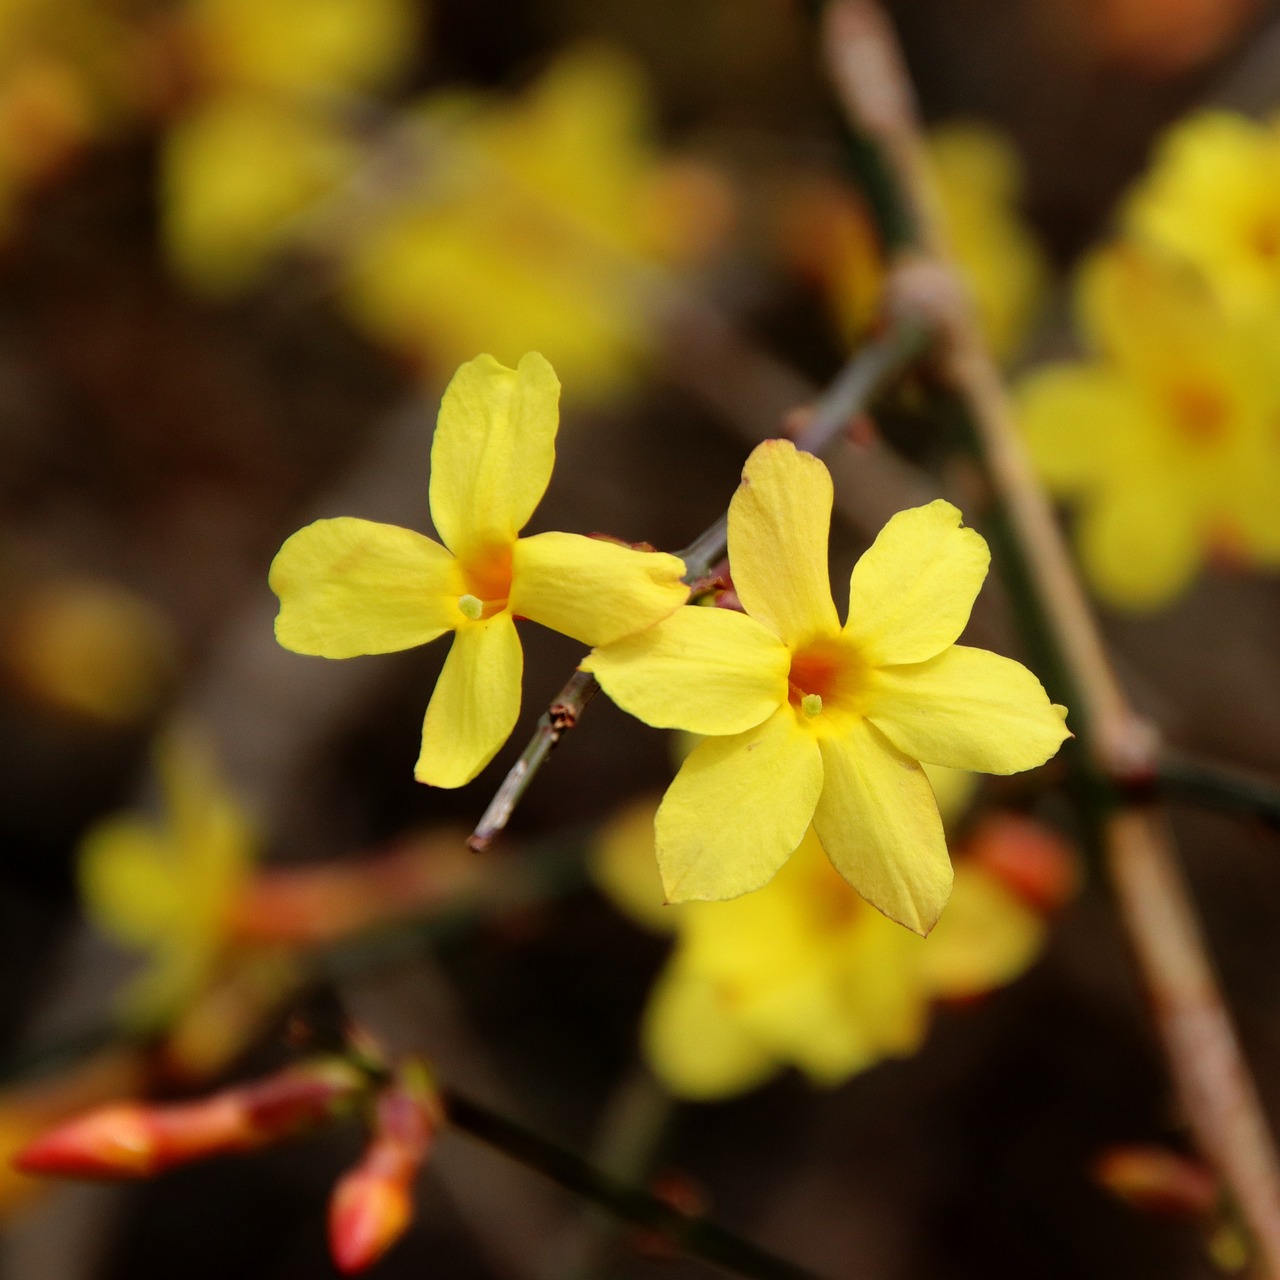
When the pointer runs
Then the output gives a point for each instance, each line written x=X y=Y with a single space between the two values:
x=631 y=1133
x=693 y=1236
x=865 y=375
x=1218 y=786
x=1216 y=1091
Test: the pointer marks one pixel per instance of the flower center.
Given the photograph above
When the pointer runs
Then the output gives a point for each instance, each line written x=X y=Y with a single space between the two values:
x=1265 y=237
x=1201 y=413
x=487 y=575
x=827 y=678
x=832 y=907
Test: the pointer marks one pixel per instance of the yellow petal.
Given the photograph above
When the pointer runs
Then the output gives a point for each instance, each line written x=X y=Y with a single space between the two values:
x=623 y=866
x=593 y=590
x=129 y=881
x=953 y=789
x=1079 y=422
x=779 y=520
x=177 y=969
x=737 y=809
x=694 y=1042
x=966 y=709
x=806 y=1022
x=986 y=937
x=350 y=586
x=1139 y=546
x=707 y=671
x=212 y=842
x=879 y=824
x=239 y=175
x=886 y=998
x=912 y=590
x=307 y=48
x=494 y=448
x=475 y=704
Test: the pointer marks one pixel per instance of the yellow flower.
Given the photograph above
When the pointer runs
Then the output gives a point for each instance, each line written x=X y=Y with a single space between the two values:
x=803 y=972
x=238 y=177
x=530 y=225
x=829 y=233
x=167 y=887
x=350 y=586
x=809 y=721
x=243 y=168
x=303 y=47
x=1167 y=439
x=979 y=182
x=1213 y=198
x=89 y=648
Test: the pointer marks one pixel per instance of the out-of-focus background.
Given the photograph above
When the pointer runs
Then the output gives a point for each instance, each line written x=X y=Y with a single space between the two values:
x=244 y=245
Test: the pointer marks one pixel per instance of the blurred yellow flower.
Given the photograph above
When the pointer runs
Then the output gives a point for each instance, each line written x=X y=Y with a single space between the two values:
x=807 y=721
x=273 y=135
x=89 y=648
x=829 y=233
x=980 y=183
x=532 y=226
x=1167 y=437
x=166 y=888
x=350 y=586
x=804 y=972
x=239 y=176
x=303 y=48
x=1212 y=198
x=62 y=84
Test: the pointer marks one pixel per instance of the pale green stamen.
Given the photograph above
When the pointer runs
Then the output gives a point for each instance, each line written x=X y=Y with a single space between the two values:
x=471 y=607
x=811 y=703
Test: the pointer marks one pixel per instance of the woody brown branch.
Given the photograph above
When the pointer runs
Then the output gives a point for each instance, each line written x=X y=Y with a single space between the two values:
x=1213 y=1082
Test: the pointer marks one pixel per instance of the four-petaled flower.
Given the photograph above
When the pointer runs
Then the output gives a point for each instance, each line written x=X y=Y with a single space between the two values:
x=808 y=721
x=349 y=586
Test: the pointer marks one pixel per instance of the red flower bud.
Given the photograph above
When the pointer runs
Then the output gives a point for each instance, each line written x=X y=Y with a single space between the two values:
x=118 y=1141
x=134 y=1140
x=372 y=1204
x=371 y=1208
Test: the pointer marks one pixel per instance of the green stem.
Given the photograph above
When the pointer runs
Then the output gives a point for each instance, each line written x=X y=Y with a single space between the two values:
x=693 y=1236
x=1218 y=786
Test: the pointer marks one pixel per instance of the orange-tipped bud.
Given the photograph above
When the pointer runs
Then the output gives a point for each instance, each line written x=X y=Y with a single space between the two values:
x=133 y=1140
x=1157 y=1180
x=371 y=1208
x=372 y=1204
x=1033 y=861
x=118 y=1141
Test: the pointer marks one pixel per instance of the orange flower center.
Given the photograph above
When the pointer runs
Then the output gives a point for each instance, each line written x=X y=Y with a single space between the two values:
x=827 y=676
x=1265 y=237
x=487 y=574
x=1201 y=413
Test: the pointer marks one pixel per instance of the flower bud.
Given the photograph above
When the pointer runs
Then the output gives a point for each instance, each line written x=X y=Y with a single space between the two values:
x=1033 y=861
x=1157 y=1180
x=372 y=1204
x=135 y=1140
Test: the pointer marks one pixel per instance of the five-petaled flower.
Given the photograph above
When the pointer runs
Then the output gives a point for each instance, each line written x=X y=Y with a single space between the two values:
x=1165 y=437
x=805 y=972
x=168 y=887
x=349 y=586
x=807 y=721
